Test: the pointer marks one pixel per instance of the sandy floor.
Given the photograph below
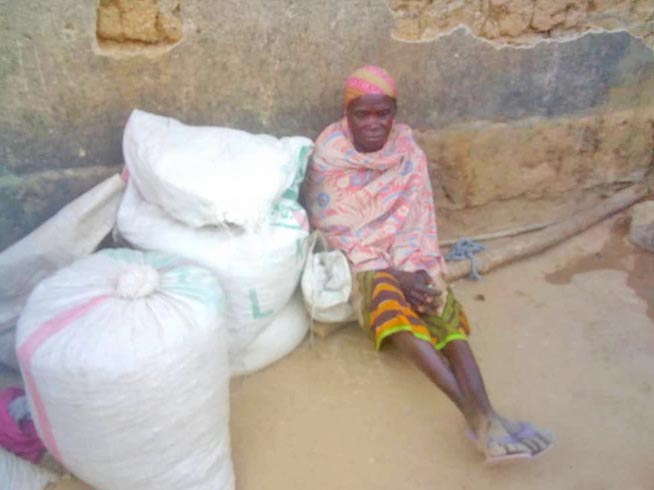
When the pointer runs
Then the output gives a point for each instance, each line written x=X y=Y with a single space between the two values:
x=565 y=339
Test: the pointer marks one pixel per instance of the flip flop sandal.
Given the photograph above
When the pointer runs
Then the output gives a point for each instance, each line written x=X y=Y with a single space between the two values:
x=504 y=459
x=527 y=430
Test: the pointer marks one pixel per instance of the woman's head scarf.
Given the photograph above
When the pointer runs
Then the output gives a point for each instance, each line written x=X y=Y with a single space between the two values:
x=369 y=79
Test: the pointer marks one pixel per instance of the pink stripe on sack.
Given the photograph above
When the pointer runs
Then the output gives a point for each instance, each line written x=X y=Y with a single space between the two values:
x=301 y=217
x=28 y=349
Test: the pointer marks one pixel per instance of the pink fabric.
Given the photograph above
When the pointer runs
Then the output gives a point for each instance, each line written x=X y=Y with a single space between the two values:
x=29 y=348
x=18 y=437
x=375 y=207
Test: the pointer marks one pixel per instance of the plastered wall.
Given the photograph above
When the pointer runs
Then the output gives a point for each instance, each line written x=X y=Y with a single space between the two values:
x=522 y=115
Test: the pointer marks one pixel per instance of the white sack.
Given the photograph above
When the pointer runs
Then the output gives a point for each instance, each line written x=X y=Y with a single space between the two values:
x=19 y=474
x=277 y=340
x=209 y=175
x=75 y=231
x=259 y=271
x=124 y=359
x=327 y=284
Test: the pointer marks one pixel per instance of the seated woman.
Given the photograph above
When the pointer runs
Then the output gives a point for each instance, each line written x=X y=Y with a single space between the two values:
x=368 y=192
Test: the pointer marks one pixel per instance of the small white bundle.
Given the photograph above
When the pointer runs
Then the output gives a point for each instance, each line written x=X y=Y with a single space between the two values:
x=210 y=175
x=124 y=358
x=327 y=284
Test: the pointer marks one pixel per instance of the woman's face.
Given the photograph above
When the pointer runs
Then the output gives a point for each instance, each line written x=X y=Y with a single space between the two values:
x=370 y=118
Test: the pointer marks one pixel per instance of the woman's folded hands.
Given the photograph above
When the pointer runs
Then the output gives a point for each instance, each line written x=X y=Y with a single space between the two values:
x=426 y=295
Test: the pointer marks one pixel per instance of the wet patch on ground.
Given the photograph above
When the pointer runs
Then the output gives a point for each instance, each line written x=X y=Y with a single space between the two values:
x=620 y=254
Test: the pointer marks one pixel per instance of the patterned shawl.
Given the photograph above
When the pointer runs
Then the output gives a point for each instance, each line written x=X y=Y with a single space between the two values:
x=375 y=207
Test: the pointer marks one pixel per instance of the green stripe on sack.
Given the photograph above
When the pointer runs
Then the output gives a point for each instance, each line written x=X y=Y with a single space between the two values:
x=299 y=249
x=256 y=308
x=293 y=192
x=284 y=225
x=290 y=194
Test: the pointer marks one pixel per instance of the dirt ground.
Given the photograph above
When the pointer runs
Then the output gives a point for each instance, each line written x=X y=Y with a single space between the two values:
x=565 y=339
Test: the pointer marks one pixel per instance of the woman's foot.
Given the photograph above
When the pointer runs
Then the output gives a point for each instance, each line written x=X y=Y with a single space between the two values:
x=497 y=444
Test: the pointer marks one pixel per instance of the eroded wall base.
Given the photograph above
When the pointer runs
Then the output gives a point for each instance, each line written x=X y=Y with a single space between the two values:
x=538 y=158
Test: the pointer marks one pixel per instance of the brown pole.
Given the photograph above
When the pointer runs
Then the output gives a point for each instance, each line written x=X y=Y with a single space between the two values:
x=537 y=242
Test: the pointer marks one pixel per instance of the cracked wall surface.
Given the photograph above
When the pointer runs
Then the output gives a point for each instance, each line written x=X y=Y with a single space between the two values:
x=521 y=22
x=481 y=112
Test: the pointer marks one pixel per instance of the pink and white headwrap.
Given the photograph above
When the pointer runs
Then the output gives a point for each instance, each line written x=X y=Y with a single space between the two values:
x=369 y=79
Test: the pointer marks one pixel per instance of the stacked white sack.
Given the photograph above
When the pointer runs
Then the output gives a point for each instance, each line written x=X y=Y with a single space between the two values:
x=75 y=231
x=19 y=474
x=124 y=358
x=208 y=175
x=283 y=334
x=227 y=200
x=259 y=271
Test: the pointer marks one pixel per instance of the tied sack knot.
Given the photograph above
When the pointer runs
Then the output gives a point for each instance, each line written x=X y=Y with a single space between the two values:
x=137 y=281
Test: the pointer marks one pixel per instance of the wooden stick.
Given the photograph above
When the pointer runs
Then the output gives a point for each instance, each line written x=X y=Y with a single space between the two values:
x=500 y=234
x=546 y=238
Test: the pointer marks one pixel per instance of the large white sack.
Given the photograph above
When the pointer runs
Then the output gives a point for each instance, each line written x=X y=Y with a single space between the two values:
x=124 y=358
x=209 y=175
x=278 y=339
x=259 y=271
x=18 y=474
x=75 y=231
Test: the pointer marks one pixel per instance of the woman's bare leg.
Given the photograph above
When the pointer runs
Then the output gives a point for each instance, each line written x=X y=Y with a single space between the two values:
x=466 y=371
x=432 y=364
x=471 y=383
x=458 y=376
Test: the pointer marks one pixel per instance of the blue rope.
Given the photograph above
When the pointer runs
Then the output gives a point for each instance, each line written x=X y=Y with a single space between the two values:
x=465 y=249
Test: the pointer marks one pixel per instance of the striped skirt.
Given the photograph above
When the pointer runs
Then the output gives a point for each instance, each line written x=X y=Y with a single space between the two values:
x=385 y=311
